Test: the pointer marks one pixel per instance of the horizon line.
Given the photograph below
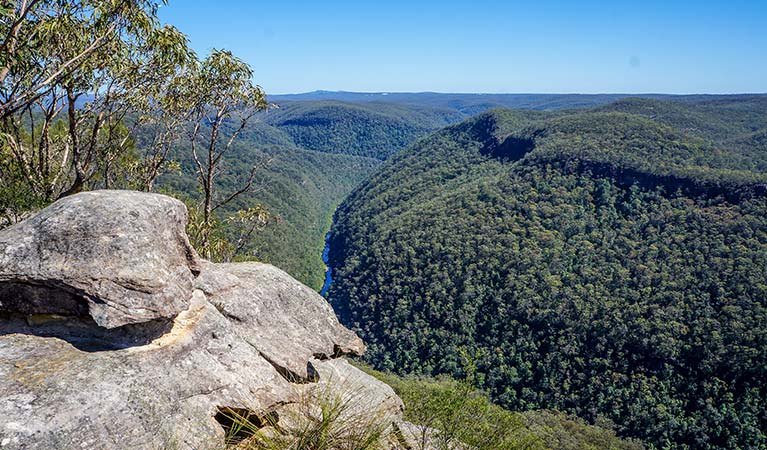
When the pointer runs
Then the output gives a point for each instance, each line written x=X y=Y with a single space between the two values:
x=320 y=91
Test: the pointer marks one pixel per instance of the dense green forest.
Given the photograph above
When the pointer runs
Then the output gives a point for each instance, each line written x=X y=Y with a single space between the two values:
x=310 y=147
x=609 y=263
x=375 y=130
x=309 y=158
x=300 y=188
x=313 y=149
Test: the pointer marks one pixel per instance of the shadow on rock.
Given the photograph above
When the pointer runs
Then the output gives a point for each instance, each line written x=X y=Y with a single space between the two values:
x=83 y=333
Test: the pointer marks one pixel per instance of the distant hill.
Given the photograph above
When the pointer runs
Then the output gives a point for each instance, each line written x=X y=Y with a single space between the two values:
x=610 y=263
x=472 y=104
x=468 y=104
x=379 y=124
x=374 y=130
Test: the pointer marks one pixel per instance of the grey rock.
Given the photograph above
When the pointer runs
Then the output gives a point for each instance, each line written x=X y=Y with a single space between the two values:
x=67 y=383
x=345 y=405
x=270 y=310
x=162 y=394
x=242 y=337
x=120 y=257
x=364 y=394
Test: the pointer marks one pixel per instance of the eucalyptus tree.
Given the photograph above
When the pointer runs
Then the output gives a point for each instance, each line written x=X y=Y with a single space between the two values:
x=226 y=100
x=71 y=72
x=159 y=111
x=97 y=93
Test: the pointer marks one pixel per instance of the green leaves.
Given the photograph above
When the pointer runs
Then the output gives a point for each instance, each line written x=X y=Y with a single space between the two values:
x=108 y=71
x=571 y=288
x=224 y=82
x=93 y=66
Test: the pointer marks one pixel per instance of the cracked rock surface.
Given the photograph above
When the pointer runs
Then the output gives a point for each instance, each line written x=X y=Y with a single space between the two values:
x=269 y=309
x=113 y=335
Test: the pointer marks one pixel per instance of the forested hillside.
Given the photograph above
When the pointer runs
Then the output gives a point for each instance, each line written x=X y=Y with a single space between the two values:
x=302 y=184
x=470 y=417
x=467 y=104
x=374 y=130
x=300 y=188
x=313 y=153
x=608 y=263
x=310 y=155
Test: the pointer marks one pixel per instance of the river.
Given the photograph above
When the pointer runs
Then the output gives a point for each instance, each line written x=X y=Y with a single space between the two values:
x=328 y=269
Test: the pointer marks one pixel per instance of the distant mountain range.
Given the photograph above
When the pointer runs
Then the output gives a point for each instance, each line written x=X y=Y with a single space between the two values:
x=472 y=104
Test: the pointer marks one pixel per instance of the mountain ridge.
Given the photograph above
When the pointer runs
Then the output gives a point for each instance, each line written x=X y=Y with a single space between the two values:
x=617 y=291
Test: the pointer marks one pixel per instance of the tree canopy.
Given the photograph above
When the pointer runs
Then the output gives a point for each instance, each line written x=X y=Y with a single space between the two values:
x=602 y=263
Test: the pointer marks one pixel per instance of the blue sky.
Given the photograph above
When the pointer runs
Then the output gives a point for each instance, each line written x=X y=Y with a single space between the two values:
x=543 y=46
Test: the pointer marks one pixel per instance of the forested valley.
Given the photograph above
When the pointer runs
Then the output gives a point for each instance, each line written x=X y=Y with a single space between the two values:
x=565 y=271
x=610 y=263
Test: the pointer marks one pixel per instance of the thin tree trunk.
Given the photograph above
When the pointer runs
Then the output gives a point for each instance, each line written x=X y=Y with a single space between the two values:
x=208 y=187
x=79 y=182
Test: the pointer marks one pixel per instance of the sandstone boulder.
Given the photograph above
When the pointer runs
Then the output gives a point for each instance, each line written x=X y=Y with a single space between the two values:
x=270 y=310
x=165 y=394
x=363 y=394
x=85 y=361
x=119 y=257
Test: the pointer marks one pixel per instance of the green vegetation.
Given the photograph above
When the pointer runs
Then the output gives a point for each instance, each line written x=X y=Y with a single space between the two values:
x=300 y=189
x=442 y=414
x=75 y=79
x=375 y=130
x=608 y=264
x=307 y=163
x=97 y=94
x=611 y=264
x=223 y=92
x=719 y=118
x=465 y=414
x=303 y=189
x=116 y=100
x=559 y=431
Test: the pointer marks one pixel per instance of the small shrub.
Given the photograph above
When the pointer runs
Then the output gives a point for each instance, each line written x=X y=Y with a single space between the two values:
x=323 y=419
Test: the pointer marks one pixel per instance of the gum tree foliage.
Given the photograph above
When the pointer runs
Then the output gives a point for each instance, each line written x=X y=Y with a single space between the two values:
x=97 y=94
x=77 y=78
x=225 y=100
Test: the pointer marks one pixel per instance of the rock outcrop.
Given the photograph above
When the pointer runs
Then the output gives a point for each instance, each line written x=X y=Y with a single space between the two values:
x=119 y=257
x=113 y=334
x=271 y=310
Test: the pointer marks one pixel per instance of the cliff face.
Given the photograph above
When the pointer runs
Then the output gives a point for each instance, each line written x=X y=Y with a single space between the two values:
x=114 y=334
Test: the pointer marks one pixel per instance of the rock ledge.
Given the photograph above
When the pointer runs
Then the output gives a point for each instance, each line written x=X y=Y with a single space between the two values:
x=113 y=334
